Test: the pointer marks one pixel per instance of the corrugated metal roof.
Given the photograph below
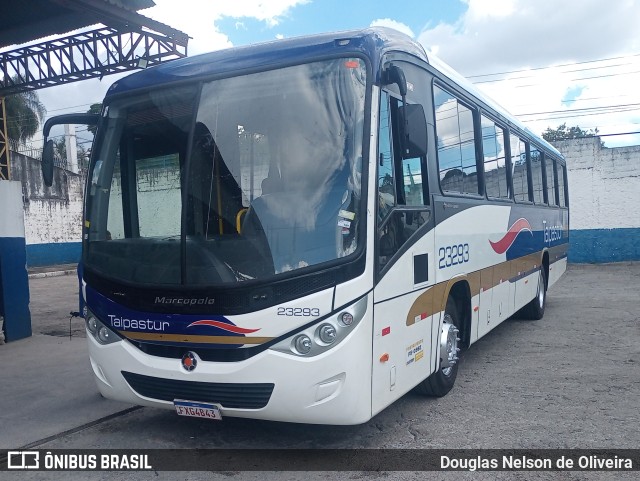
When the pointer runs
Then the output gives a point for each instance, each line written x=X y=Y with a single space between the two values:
x=25 y=22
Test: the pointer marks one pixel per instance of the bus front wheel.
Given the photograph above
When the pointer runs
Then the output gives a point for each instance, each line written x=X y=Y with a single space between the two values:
x=441 y=382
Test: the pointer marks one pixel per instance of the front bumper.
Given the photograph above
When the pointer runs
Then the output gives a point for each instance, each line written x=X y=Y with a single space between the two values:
x=331 y=388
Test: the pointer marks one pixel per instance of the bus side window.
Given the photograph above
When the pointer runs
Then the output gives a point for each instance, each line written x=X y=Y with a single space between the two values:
x=536 y=174
x=456 y=144
x=519 y=174
x=560 y=177
x=549 y=173
x=495 y=167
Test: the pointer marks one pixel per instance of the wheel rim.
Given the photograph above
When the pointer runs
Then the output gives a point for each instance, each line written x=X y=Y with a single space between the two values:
x=448 y=345
x=541 y=291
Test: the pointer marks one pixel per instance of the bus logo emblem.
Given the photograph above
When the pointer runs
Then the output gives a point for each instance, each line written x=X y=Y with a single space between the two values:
x=189 y=361
x=521 y=225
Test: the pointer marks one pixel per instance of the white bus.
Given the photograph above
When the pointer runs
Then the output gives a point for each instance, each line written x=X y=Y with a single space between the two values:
x=307 y=229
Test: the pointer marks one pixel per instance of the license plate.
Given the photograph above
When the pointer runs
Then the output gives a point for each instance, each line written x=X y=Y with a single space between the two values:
x=197 y=409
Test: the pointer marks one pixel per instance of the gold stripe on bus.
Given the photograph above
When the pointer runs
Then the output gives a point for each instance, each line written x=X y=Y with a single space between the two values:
x=474 y=279
x=434 y=300
x=427 y=304
x=501 y=273
x=150 y=336
x=558 y=252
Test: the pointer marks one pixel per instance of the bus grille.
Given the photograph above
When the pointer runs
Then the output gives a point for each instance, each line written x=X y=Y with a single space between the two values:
x=229 y=395
x=206 y=354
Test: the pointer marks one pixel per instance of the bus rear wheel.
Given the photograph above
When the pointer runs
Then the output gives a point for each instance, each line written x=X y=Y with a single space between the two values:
x=535 y=309
x=441 y=382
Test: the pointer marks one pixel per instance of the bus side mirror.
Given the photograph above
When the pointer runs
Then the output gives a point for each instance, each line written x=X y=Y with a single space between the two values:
x=47 y=151
x=415 y=122
x=47 y=163
x=395 y=75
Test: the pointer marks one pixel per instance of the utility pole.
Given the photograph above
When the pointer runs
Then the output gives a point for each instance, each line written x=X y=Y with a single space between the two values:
x=5 y=171
x=71 y=147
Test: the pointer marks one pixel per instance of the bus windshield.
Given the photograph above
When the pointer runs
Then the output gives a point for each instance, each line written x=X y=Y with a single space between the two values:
x=230 y=180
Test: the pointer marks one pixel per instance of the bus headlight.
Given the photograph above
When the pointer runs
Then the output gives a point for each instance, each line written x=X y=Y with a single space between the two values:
x=302 y=344
x=92 y=323
x=99 y=331
x=327 y=333
x=324 y=334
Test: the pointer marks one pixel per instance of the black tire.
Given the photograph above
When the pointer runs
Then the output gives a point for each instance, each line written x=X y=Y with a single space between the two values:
x=534 y=311
x=442 y=381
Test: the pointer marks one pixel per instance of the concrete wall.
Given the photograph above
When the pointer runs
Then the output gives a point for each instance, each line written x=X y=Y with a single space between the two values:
x=604 y=198
x=52 y=215
x=159 y=201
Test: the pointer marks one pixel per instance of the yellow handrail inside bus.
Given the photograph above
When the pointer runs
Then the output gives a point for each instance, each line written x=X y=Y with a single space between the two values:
x=239 y=216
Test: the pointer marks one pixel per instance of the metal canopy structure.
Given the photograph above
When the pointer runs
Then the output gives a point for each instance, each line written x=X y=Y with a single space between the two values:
x=125 y=40
x=84 y=55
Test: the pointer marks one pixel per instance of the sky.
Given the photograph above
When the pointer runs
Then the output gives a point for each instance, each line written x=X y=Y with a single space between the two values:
x=546 y=61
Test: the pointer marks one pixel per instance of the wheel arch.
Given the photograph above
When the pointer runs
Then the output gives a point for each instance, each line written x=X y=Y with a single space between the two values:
x=545 y=266
x=460 y=290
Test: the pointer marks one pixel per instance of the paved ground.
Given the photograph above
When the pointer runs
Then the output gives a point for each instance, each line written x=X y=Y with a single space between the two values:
x=571 y=380
x=47 y=383
x=52 y=299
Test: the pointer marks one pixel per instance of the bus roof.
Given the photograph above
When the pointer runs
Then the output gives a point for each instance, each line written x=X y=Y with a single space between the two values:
x=372 y=43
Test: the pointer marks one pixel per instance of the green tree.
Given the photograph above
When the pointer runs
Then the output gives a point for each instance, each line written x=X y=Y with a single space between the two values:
x=24 y=113
x=60 y=147
x=83 y=157
x=564 y=133
x=94 y=109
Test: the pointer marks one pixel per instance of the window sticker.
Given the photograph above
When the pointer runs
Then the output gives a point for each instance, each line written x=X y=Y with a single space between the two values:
x=347 y=214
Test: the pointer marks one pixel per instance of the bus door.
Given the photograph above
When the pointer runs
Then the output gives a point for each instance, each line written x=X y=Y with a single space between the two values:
x=401 y=341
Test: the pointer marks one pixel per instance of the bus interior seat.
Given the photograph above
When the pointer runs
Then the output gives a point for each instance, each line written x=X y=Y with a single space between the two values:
x=271 y=184
x=288 y=245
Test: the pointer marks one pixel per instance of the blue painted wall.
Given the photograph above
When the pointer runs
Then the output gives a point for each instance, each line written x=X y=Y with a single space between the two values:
x=54 y=253
x=604 y=245
x=603 y=197
x=14 y=284
x=585 y=246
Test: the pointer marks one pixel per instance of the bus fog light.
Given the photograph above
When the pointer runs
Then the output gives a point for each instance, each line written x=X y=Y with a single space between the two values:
x=327 y=333
x=302 y=344
x=346 y=318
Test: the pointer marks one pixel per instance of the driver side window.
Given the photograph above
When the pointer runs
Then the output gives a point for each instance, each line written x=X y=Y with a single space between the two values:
x=386 y=182
x=400 y=184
